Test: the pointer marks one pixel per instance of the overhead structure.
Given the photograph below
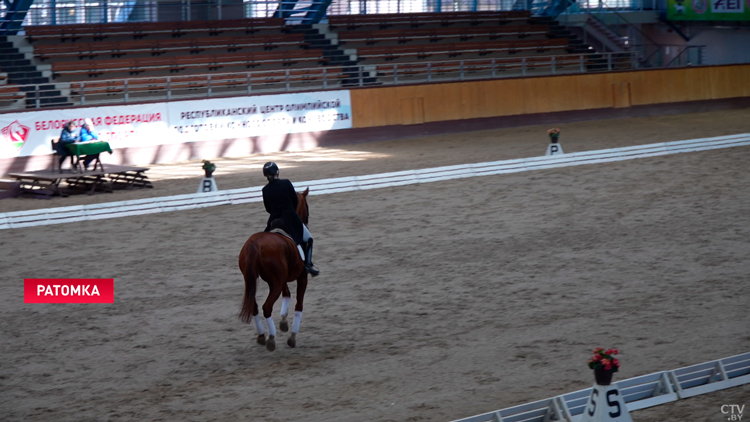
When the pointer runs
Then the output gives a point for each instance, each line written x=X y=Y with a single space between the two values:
x=15 y=13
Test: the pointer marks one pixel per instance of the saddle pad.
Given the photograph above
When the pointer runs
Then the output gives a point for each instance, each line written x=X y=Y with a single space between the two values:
x=281 y=232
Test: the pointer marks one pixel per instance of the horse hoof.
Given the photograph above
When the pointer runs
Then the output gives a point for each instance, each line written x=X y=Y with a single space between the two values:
x=292 y=342
x=262 y=339
x=284 y=326
x=271 y=343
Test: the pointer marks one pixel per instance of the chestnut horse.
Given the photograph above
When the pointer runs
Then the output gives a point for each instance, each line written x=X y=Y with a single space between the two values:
x=274 y=258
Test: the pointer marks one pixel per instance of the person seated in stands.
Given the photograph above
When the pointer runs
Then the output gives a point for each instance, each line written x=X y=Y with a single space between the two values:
x=88 y=134
x=67 y=136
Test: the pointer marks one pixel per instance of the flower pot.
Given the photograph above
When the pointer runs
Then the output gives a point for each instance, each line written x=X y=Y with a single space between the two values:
x=553 y=138
x=209 y=173
x=603 y=376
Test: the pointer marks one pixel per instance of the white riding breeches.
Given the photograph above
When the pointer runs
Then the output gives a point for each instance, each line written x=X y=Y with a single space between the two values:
x=305 y=233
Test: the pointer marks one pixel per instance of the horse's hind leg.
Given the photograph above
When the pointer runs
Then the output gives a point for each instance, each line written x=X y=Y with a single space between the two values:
x=249 y=308
x=286 y=296
x=273 y=295
x=261 y=339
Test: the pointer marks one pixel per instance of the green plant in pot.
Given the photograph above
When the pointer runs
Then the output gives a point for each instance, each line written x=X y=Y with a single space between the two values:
x=208 y=168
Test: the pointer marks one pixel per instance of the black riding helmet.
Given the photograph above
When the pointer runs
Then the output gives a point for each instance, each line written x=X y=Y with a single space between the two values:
x=270 y=169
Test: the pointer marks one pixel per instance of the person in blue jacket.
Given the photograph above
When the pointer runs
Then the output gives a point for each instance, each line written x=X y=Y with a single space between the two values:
x=88 y=134
x=67 y=136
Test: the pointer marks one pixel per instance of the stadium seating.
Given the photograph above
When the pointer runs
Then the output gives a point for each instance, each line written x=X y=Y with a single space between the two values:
x=145 y=57
x=434 y=44
x=439 y=34
x=11 y=94
x=94 y=50
x=196 y=64
x=202 y=81
x=479 y=49
x=414 y=20
x=139 y=30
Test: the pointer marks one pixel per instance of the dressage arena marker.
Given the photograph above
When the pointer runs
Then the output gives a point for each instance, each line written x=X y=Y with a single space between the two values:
x=636 y=393
x=19 y=219
x=554 y=149
x=208 y=184
x=605 y=404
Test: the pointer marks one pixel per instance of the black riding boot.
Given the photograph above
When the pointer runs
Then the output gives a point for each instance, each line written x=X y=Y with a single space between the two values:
x=309 y=266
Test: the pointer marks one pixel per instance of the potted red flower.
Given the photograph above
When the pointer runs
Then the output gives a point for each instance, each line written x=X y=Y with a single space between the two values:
x=553 y=133
x=604 y=365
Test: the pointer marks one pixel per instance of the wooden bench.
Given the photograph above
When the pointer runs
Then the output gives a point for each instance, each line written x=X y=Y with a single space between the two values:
x=138 y=30
x=129 y=178
x=43 y=186
x=180 y=63
x=455 y=49
x=119 y=86
x=9 y=188
x=418 y=19
x=11 y=93
x=196 y=45
x=497 y=65
x=434 y=34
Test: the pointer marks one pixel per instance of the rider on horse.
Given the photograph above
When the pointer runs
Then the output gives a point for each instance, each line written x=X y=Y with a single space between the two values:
x=280 y=200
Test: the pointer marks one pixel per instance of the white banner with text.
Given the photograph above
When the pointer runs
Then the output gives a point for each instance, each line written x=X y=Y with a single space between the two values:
x=244 y=117
x=29 y=133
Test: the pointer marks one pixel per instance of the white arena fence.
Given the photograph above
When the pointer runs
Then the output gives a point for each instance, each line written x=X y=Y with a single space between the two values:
x=638 y=393
x=72 y=214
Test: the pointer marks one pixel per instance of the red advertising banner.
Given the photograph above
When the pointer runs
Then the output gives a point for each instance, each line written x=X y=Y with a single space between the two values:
x=69 y=290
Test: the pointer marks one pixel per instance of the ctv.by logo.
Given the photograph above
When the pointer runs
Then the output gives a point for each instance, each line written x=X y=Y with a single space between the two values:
x=733 y=411
x=15 y=133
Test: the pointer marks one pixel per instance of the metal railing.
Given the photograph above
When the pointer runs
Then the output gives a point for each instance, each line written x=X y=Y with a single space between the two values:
x=651 y=54
x=199 y=86
x=638 y=393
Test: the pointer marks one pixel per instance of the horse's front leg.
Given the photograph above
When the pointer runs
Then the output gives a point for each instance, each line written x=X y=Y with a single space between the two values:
x=286 y=296
x=301 y=287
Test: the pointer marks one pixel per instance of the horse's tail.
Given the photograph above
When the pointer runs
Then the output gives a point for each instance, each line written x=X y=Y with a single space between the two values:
x=248 y=265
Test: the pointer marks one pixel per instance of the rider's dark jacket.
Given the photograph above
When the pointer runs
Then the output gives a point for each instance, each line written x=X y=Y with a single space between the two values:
x=280 y=200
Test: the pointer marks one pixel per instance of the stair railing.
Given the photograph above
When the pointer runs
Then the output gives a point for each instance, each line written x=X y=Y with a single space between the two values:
x=645 y=47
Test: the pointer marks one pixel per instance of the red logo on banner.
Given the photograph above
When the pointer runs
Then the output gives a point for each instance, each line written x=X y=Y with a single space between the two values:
x=15 y=133
x=69 y=290
x=700 y=6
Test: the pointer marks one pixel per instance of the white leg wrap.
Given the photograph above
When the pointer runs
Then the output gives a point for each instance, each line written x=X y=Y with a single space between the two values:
x=305 y=233
x=301 y=252
x=271 y=327
x=285 y=305
x=259 y=324
x=297 y=318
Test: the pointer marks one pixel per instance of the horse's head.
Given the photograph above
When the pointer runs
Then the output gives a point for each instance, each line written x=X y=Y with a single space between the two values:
x=302 y=210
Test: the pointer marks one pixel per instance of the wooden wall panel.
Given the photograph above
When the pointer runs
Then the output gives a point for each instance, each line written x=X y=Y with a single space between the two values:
x=372 y=107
